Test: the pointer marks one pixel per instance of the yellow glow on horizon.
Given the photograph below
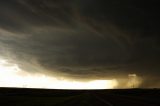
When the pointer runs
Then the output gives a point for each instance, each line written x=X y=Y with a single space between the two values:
x=12 y=76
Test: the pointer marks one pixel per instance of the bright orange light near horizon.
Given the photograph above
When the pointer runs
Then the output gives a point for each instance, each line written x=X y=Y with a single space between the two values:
x=12 y=76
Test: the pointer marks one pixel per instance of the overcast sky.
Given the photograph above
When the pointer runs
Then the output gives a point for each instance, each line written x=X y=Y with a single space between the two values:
x=83 y=39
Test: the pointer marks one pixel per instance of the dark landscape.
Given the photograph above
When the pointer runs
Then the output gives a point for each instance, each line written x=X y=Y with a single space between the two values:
x=51 y=97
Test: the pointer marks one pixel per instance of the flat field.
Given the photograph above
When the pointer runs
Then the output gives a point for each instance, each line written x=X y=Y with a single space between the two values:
x=53 y=97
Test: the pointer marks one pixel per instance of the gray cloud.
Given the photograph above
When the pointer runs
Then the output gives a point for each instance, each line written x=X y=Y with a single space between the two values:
x=80 y=39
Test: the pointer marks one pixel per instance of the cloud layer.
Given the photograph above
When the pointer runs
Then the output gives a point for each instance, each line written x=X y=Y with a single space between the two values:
x=80 y=39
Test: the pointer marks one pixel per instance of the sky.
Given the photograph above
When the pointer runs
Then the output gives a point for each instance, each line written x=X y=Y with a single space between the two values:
x=82 y=39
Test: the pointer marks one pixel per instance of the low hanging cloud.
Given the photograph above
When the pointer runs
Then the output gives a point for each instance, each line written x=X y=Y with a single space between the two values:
x=80 y=39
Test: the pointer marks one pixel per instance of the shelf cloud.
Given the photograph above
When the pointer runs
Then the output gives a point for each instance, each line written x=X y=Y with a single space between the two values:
x=82 y=39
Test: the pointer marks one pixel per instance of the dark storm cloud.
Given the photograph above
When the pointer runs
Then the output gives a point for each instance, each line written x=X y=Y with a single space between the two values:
x=81 y=38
